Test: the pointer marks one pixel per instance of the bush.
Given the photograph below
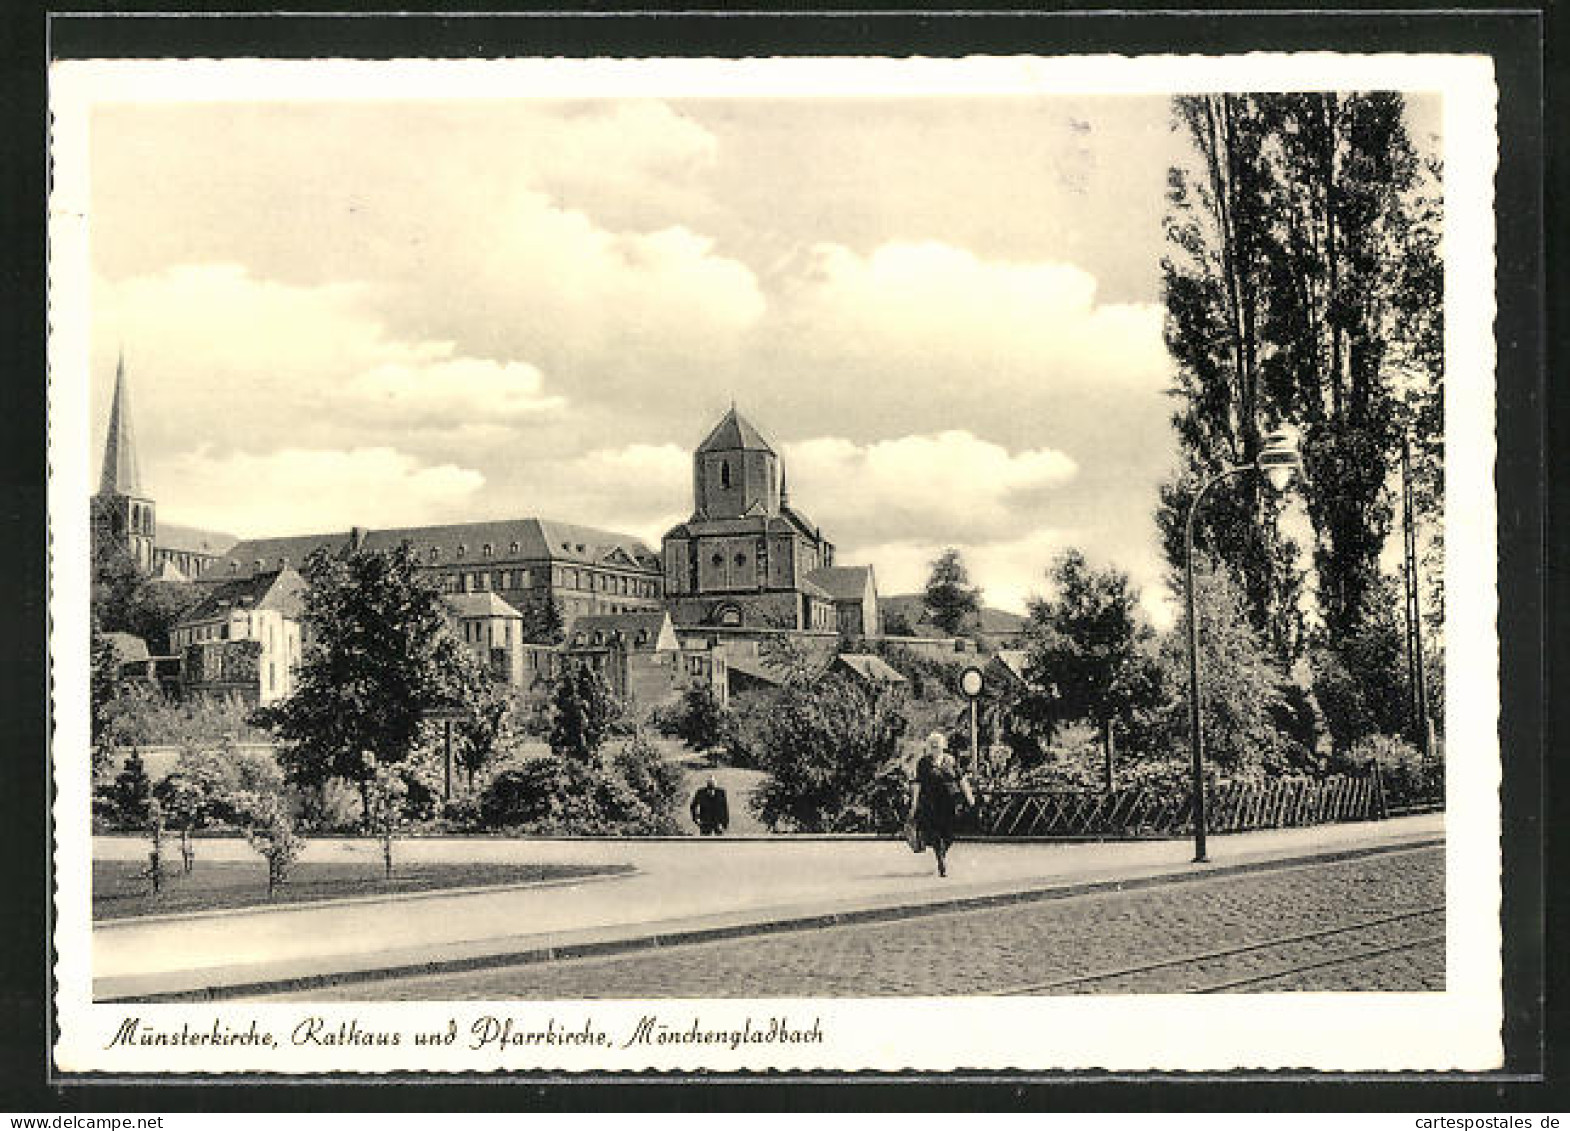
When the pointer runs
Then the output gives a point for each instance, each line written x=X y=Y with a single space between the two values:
x=1405 y=775
x=831 y=751
x=523 y=795
x=703 y=722
x=631 y=791
x=131 y=792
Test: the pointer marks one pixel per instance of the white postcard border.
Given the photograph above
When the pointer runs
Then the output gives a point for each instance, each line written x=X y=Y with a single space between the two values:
x=1458 y=1029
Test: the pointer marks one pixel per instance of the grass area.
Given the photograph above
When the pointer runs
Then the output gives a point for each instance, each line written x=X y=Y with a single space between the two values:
x=120 y=891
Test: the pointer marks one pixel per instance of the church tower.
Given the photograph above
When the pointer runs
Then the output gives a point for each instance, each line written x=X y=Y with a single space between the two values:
x=122 y=514
x=735 y=472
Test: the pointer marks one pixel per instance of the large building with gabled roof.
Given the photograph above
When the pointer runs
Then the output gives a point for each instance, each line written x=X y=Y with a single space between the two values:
x=526 y=561
x=747 y=564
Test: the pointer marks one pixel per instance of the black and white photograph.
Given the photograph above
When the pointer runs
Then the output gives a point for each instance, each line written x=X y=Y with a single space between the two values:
x=787 y=563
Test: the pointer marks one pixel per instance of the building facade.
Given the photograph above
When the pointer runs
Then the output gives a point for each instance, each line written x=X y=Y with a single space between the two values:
x=525 y=561
x=243 y=638
x=743 y=564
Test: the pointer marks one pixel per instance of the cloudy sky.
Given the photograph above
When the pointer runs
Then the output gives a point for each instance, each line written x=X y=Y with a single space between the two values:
x=944 y=311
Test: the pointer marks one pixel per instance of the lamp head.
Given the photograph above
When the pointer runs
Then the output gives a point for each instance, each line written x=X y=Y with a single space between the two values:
x=1280 y=457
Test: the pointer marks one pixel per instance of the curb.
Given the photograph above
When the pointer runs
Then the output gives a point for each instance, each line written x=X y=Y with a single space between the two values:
x=130 y=921
x=679 y=937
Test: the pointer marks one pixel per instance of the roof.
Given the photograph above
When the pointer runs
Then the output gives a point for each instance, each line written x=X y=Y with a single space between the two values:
x=755 y=669
x=122 y=472
x=280 y=589
x=870 y=668
x=516 y=539
x=734 y=433
x=127 y=648
x=192 y=540
x=843 y=583
x=813 y=589
x=480 y=605
x=788 y=521
x=1015 y=660
x=651 y=624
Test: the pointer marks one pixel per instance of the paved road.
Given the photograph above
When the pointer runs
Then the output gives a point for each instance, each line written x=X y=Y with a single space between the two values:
x=1096 y=943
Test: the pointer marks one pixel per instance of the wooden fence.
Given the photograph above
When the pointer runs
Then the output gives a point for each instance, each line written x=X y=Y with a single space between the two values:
x=1230 y=807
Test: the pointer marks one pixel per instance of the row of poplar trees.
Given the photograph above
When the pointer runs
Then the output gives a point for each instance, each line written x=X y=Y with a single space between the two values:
x=1303 y=285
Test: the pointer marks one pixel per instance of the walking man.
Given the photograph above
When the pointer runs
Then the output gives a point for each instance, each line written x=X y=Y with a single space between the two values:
x=710 y=809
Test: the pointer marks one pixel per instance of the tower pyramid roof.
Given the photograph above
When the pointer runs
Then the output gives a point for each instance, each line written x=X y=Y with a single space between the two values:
x=122 y=474
x=734 y=433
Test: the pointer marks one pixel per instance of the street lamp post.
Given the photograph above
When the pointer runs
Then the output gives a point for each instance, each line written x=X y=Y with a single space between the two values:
x=1278 y=460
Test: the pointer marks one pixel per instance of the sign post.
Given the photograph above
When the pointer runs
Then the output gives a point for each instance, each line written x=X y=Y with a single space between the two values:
x=446 y=714
x=971 y=683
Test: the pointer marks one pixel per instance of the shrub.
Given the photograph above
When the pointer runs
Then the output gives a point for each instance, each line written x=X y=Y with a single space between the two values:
x=583 y=709
x=702 y=722
x=521 y=795
x=632 y=791
x=1406 y=777
x=831 y=751
x=270 y=831
x=131 y=792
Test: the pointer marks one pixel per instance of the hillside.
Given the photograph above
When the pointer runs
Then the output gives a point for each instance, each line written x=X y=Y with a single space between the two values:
x=994 y=622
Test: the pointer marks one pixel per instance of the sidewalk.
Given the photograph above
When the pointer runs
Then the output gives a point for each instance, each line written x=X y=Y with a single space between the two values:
x=681 y=890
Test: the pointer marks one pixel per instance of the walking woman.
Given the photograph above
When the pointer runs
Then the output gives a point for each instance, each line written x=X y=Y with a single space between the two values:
x=937 y=797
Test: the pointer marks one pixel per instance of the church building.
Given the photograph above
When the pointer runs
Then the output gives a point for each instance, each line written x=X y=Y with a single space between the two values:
x=748 y=564
x=124 y=517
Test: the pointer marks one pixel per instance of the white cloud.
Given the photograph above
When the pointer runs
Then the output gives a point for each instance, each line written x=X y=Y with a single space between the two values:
x=459 y=391
x=982 y=324
x=945 y=485
x=221 y=358
x=293 y=490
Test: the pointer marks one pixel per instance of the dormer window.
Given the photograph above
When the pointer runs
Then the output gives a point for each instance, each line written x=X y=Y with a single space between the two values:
x=434 y=554
x=259 y=563
x=234 y=567
x=462 y=549
x=514 y=548
x=485 y=550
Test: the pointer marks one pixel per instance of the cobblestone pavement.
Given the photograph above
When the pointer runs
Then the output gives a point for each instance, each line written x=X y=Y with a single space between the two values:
x=1039 y=946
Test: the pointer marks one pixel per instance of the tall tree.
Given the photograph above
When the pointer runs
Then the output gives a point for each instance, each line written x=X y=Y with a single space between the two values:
x=1216 y=285
x=951 y=600
x=1300 y=256
x=583 y=709
x=1087 y=653
x=1343 y=263
x=381 y=653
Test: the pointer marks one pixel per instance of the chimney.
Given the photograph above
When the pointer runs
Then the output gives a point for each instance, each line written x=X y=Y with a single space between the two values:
x=356 y=537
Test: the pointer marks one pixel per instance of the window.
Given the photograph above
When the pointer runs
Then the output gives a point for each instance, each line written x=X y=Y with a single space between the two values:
x=435 y=554
x=259 y=563
x=462 y=549
x=741 y=559
x=725 y=474
x=485 y=550
x=719 y=559
x=514 y=548
x=234 y=567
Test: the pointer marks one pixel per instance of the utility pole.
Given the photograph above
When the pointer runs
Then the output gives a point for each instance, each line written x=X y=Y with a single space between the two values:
x=1414 y=606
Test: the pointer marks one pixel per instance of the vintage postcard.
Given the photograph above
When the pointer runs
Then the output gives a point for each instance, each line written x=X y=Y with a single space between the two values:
x=776 y=564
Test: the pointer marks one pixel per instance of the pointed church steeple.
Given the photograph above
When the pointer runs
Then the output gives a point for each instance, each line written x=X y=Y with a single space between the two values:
x=122 y=474
x=124 y=519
